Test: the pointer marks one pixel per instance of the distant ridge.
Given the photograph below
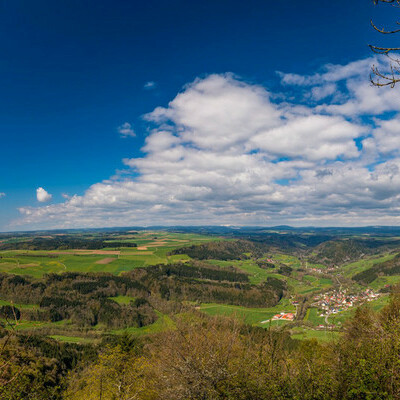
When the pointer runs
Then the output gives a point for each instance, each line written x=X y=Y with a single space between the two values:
x=221 y=229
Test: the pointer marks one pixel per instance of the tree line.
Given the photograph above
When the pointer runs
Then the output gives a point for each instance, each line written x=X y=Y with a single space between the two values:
x=63 y=243
x=222 y=250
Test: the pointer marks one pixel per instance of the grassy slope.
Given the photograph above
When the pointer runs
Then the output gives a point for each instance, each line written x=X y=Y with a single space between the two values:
x=322 y=335
x=354 y=268
x=122 y=299
x=313 y=317
x=258 y=275
x=19 y=306
x=252 y=316
x=73 y=339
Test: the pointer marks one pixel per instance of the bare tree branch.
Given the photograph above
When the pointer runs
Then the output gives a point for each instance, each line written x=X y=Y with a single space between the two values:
x=382 y=30
x=392 y=77
x=393 y=2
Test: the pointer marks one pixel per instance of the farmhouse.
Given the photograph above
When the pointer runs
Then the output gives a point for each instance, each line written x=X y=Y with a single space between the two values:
x=283 y=316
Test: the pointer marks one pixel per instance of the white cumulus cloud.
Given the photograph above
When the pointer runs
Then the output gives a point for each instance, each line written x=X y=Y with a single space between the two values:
x=42 y=195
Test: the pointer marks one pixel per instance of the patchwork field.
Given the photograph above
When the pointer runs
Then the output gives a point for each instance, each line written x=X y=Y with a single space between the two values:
x=153 y=248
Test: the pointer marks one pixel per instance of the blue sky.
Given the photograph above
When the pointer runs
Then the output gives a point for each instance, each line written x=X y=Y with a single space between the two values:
x=104 y=117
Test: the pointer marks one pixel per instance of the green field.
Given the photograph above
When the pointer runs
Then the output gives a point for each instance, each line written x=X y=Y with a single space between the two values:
x=287 y=259
x=313 y=317
x=152 y=248
x=122 y=299
x=382 y=281
x=308 y=284
x=256 y=274
x=66 y=332
x=19 y=306
x=379 y=303
x=322 y=335
x=252 y=316
x=73 y=339
x=354 y=268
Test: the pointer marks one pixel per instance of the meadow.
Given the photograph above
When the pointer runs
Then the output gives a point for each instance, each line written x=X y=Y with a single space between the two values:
x=313 y=316
x=324 y=335
x=252 y=316
x=356 y=267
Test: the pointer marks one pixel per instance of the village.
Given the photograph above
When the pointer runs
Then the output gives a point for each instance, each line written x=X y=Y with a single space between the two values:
x=331 y=302
x=322 y=270
x=340 y=300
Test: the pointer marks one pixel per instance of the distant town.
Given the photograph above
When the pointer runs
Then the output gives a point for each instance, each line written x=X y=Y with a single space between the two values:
x=335 y=301
x=331 y=302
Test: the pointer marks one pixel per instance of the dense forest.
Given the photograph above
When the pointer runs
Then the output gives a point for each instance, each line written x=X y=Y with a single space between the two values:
x=206 y=283
x=340 y=251
x=62 y=243
x=222 y=250
x=85 y=299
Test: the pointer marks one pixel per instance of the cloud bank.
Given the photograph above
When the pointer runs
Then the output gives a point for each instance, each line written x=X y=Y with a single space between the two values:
x=225 y=151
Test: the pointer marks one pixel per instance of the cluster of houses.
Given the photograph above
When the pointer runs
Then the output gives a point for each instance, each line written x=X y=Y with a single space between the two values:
x=341 y=300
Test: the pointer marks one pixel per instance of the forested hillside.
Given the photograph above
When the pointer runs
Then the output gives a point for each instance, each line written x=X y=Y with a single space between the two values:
x=86 y=299
x=61 y=243
x=341 y=251
x=387 y=268
x=222 y=250
x=83 y=299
